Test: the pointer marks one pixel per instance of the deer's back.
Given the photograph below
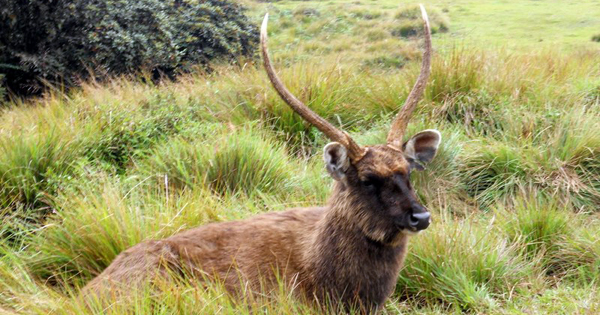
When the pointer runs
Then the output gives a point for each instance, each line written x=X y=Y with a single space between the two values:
x=254 y=251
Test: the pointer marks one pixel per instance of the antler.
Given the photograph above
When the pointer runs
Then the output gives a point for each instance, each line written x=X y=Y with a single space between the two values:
x=355 y=152
x=399 y=125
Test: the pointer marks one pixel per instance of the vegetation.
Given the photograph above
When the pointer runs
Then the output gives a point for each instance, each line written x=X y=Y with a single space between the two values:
x=410 y=22
x=62 y=42
x=514 y=190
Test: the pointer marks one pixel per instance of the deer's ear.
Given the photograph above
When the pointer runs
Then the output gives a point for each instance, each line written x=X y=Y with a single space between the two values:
x=421 y=148
x=336 y=160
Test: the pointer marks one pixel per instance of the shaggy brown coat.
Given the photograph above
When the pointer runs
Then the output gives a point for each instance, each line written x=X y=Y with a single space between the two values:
x=349 y=251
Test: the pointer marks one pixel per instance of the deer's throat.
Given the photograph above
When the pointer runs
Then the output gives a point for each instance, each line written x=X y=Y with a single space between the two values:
x=348 y=265
x=350 y=215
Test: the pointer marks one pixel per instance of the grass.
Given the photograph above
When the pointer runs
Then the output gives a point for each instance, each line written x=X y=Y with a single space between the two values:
x=239 y=161
x=462 y=264
x=514 y=188
x=410 y=23
x=538 y=226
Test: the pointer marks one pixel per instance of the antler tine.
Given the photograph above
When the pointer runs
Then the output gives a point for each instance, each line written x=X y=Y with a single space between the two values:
x=355 y=152
x=399 y=125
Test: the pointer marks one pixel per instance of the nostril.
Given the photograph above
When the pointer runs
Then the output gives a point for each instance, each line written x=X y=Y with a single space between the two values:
x=413 y=221
x=421 y=216
x=419 y=220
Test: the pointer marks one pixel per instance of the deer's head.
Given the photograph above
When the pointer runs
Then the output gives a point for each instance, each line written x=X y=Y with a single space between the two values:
x=375 y=178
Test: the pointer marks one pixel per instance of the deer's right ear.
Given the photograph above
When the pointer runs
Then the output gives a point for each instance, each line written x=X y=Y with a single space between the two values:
x=336 y=160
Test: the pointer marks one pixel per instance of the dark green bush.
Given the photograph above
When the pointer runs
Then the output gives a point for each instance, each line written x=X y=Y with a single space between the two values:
x=61 y=42
x=2 y=89
x=596 y=38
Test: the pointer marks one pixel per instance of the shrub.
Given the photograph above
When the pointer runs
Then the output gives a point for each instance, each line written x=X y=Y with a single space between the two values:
x=596 y=38
x=64 y=41
x=2 y=89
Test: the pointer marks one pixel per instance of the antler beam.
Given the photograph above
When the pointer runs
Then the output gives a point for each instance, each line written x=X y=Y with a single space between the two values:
x=355 y=152
x=399 y=125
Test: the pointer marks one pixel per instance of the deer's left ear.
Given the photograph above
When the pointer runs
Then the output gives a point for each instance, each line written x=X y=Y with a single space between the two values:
x=336 y=160
x=421 y=148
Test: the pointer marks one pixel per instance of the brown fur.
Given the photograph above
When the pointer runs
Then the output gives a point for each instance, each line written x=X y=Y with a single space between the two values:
x=349 y=251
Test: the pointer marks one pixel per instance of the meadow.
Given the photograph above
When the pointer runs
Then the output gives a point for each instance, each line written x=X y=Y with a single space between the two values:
x=514 y=190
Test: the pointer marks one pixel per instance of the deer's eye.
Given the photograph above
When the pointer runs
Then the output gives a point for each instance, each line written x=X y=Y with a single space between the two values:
x=371 y=182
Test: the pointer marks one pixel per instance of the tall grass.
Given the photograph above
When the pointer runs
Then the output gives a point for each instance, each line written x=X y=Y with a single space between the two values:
x=559 y=159
x=577 y=257
x=98 y=222
x=31 y=167
x=539 y=226
x=464 y=264
x=514 y=188
x=235 y=161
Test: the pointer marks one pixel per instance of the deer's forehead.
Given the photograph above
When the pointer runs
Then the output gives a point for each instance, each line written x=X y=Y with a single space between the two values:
x=383 y=161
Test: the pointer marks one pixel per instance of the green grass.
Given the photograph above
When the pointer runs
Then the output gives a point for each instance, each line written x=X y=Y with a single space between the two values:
x=462 y=264
x=239 y=161
x=514 y=189
x=340 y=25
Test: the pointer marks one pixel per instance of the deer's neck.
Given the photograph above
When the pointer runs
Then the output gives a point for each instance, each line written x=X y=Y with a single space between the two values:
x=346 y=263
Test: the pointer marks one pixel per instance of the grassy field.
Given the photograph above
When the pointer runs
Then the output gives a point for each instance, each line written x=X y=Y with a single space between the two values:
x=515 y=190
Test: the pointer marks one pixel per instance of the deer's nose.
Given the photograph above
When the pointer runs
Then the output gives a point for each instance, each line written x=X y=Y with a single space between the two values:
x=419 y=221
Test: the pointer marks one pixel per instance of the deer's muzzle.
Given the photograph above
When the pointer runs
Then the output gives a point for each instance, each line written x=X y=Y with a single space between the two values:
x=419 y=221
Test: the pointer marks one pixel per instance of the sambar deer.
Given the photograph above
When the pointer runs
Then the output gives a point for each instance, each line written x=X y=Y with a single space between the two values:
x=348 y=252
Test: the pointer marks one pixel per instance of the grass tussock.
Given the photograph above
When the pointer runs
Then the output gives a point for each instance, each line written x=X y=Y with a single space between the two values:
x=411 y=24
x=31 y=166
x=560 y=161
x=464 y=264
x=539 y=226
x=577 y=258
x=102 y=221
x=235 y=161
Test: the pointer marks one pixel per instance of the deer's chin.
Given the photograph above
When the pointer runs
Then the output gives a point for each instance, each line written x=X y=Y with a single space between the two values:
x=409 y=232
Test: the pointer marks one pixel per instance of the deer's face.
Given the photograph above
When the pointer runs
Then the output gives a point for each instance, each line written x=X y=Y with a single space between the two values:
x=385 y=204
